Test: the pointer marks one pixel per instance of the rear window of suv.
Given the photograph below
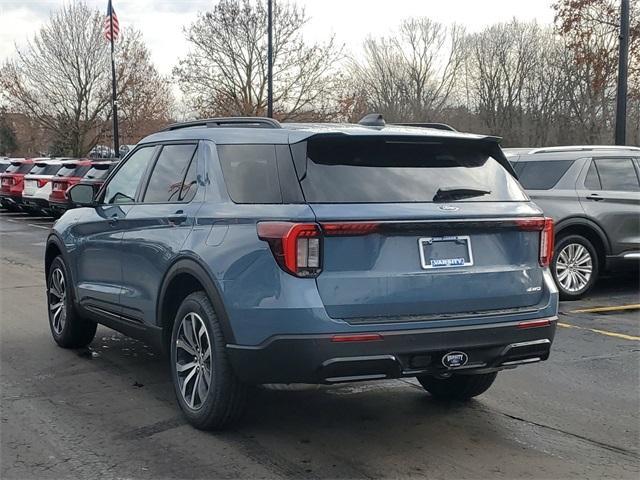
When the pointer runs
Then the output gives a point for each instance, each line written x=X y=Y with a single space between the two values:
x=19 y=168
x=73 y=170
x=45 y=169
x=99 y=171
x=396 y=170
x=541 y=175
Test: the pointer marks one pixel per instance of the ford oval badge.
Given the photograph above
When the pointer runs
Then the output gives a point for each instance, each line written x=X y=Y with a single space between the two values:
x=448 y=208
x=455 y=359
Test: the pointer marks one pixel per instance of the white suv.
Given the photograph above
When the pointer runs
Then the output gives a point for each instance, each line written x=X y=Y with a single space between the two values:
x=37 y=184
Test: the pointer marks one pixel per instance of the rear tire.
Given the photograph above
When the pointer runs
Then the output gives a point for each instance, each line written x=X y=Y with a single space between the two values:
x=69 y=329
x=574 y=266
x=211 y=404
x=457 y=387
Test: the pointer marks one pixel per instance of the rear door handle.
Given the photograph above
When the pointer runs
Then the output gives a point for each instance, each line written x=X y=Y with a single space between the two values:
x=178 y=218
x=595 y=197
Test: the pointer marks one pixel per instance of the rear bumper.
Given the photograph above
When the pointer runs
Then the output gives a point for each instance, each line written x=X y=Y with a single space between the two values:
x=11 y=199
x=318 y=359
x=35 y=202
x=58 y=207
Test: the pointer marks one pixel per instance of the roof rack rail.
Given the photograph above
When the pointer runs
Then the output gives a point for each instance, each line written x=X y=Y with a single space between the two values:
x=438 y=126
x=249 y=122
x=582 y=148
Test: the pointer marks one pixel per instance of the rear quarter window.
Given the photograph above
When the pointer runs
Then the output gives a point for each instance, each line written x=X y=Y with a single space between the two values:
x=541 y=175
x=250 y=173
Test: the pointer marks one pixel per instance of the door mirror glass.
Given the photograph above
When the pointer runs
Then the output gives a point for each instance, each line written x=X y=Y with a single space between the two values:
x=81 y=195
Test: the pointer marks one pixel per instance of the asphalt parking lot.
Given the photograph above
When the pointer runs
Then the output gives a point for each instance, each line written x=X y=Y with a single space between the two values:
x=109 y=411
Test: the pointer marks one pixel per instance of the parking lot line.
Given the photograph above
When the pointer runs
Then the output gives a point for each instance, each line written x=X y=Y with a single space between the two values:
x=617 y=308
x=38 y=226
x=601 y=332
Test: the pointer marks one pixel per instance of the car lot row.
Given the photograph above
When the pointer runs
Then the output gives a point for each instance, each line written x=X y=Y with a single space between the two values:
x=39 y=186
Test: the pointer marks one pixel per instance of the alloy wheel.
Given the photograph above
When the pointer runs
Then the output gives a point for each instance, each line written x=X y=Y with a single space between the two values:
x=57 y=301
x=193 y=360
x=574 y=267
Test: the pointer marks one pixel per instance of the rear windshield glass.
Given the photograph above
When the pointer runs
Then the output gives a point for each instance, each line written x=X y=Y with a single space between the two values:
x=73 y=170
x=19 y=168
x=387 y=170
x=541 y=175
x=44 y=169
x=250 y=173
x=98 y=172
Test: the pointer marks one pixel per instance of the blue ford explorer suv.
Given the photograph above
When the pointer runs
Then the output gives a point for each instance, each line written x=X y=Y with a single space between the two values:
x=259 y=252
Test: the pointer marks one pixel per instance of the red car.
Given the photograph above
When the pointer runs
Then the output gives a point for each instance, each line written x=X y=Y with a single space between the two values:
x=12 y=182
x=71 y=173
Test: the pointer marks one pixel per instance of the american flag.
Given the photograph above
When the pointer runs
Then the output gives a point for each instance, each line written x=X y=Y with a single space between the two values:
x=111 y=24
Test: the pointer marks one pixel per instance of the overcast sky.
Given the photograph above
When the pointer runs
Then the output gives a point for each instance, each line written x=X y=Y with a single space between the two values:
x=162 y=21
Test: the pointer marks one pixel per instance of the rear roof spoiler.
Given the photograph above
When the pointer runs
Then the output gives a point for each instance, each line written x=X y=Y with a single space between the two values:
x=488 y=144
x=437 y=126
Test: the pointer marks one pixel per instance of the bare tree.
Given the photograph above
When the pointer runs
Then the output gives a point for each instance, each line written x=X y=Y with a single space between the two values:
x=62 y=78
x=146 y=101
x=590 y=31
x=410 y=75
x=226 y=71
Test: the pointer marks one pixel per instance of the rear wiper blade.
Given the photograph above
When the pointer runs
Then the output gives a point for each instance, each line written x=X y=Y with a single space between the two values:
x=453 y=193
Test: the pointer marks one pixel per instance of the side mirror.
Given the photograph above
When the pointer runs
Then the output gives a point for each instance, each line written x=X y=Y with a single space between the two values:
x=81 y=195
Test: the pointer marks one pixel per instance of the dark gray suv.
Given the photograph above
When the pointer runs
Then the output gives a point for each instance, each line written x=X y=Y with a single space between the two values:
x=593 y=195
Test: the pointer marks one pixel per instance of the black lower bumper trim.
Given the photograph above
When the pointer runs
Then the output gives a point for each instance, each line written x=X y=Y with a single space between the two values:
x=317 y=359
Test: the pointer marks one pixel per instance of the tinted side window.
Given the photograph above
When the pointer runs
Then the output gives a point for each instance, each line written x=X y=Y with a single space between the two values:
x=250 y=173
x=592 y=181
x=190 y=184
x=542 y=175
x=122 y=187
x=518 y=167
x=617 y=174
x=166 y=181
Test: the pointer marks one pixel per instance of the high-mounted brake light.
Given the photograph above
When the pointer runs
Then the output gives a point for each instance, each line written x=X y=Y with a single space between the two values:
x=295 y=246
x=545 y=226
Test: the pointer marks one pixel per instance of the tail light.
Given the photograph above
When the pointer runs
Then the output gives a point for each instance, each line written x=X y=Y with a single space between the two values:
x=295 y=246
x=545 y=227
x=41 y=182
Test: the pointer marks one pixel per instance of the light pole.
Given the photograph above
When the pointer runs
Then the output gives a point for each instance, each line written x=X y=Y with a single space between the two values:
x=623 y=64
x=270 y=59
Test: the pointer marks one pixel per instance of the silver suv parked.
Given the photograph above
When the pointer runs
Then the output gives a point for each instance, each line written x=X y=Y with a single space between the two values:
x=593 y=195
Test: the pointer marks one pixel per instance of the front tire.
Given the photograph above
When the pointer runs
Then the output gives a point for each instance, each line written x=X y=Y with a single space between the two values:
x=457 y=387
x=208 y=391
x=69 y=330
x=574 y=266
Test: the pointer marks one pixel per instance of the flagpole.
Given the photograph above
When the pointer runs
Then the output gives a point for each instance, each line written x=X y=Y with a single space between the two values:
x=269 y=59
x=114 y=101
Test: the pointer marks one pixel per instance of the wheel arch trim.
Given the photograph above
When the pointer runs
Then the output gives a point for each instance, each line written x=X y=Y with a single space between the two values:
x=195 y=268
x=587 y=223
x=54 y=239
